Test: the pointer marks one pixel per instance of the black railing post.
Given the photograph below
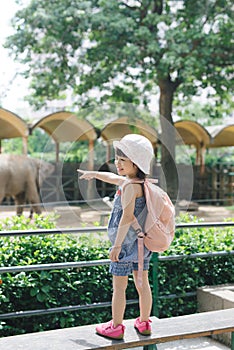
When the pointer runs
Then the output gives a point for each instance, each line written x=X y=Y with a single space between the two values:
x=155 y=284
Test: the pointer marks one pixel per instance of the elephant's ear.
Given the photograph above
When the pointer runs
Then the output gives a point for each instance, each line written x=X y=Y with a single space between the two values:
x=44 y=169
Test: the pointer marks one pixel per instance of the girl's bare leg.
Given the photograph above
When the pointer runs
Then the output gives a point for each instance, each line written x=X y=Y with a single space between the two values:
x=119 y=298
x=145 y=296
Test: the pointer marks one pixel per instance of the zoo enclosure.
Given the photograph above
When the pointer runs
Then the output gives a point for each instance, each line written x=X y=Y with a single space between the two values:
x=214 y=186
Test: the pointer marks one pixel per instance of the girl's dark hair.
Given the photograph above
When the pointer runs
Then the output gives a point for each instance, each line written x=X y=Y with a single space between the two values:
x=139 y=173
x=119 y=153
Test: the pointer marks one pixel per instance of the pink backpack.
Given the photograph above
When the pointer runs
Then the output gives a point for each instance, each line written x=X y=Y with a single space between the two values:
x=159 y=227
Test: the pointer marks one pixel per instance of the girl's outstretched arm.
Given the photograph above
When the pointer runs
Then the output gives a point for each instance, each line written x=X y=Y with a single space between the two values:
x=103 y=176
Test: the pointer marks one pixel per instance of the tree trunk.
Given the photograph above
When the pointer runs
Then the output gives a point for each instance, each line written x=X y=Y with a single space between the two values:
x=169 y=178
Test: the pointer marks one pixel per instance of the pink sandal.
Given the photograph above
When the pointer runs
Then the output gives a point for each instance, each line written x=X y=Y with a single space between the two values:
x=108 y=330
x=144 y=327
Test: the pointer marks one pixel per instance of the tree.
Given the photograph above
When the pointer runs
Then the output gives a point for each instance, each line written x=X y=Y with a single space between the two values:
x=125 y=48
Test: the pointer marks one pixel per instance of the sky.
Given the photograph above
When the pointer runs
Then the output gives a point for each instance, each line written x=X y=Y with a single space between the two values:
x=13 y=87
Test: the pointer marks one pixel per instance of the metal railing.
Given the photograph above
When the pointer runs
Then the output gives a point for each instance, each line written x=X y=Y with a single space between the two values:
x=155 y=259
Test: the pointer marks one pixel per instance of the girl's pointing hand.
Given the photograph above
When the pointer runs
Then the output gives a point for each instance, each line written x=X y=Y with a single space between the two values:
x=87 y=175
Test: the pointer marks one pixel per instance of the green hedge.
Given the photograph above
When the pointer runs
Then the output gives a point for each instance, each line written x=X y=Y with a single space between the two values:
x=54 y=288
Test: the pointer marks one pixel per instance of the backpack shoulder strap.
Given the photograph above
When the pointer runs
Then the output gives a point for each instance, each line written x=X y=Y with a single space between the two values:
x=135 y=225
x=138 y=181
x=138 y=229
x=132 y=181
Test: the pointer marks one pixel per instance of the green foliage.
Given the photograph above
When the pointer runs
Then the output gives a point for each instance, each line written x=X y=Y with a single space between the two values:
x=220 y=156
x=12 y=146
x=206 y=113
x=186 y=43
x=24 y=223
x=45 y=289
x=39 y=141
x=71 y=152
x=54 y=288
x=100 y=115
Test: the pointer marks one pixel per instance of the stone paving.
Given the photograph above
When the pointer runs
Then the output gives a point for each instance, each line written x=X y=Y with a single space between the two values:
x=203 y=343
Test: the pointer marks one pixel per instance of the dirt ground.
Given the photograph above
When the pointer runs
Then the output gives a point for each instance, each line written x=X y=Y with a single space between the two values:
x=70 y=216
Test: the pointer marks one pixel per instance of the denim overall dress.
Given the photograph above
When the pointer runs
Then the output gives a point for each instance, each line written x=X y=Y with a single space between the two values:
x=128 y=257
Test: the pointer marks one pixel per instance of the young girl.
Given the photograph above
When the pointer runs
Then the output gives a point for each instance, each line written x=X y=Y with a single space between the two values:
x=133 y=155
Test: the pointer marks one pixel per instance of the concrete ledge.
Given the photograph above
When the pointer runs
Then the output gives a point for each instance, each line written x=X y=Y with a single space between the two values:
x=219 y=297
x=163 y=330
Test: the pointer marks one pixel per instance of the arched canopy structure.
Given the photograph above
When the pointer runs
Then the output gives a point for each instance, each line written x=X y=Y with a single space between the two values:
x=11 y=126
x=193 y=133
x=118 y=128
x=66 y=126
x=222 y=136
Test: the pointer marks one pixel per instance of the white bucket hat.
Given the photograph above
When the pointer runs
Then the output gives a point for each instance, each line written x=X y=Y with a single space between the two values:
x=138 y=149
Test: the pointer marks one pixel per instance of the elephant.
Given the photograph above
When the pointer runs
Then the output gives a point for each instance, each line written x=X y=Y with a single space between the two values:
x=20 y=178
